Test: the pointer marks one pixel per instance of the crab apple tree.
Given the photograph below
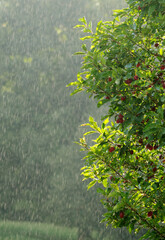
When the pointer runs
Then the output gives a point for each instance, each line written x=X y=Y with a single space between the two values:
x=124 y=68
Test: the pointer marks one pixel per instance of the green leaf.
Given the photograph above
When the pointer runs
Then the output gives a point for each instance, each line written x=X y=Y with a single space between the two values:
x=115 y=187
x=118 y=206
x=79 y=26
x=76 y=91
x=105 y=183
x=131 y=227
x=91 y=184
x=84 y=47
x=113 y=194
x=100 y=190
x=151 y=9
x=86 y=37
x=106 y=121
x=83 y=20
x=72 y=84
x=90 y=132
x=79 y=53
x=161 y=51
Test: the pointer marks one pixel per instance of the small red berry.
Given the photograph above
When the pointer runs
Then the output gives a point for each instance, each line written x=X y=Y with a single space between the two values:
x=160 y=74
x=107 y=97
x=120 y=120
x=151 y=148
x=111 y=149
x=162 y=67
x=136 y=77
x=156 y=44
x=131 y=152
x=150 y=177
x=150 y=213
x=120 y=115
x=139 y=8
x=148 y=146
x=154 y=169
x=121 y=214
x=155 y=147
x=109 y=79
x=128 y=81
x=111 y=178
x=163 y=85
x=153 y=109
x=138 y=65
x=141 y=141
x=135 y=86
x=123 y=98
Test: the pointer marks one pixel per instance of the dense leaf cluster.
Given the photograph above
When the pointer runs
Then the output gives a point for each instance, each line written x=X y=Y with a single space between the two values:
x=124 y=69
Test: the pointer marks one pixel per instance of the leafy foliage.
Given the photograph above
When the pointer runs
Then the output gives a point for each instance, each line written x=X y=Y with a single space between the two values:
x=124 y=69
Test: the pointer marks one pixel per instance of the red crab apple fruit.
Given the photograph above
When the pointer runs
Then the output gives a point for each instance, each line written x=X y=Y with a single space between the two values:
x=135 y=86
x=123 y=98
x=131 y=152
x=121 y=214
x=111 y=149
x=141 y=141
x=120 y=120
x=156 y=45
x=136 y=77
x=128 y=81
x=151 y=176
x=107 y=97
x=120 y=115
x=109 y=79
x=162 y=67
x=160 y=74
x=153 y=109
x=154 y=169
x=148 y=146
x=163 y=85
x=138 y=65
x=155 y=147
x=150 y=213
